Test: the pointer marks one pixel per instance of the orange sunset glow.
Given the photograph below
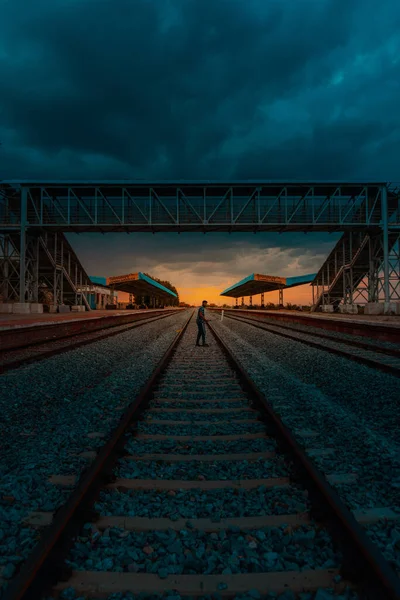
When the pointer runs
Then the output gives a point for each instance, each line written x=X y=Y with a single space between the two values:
x=300 y=295
x=195 y=295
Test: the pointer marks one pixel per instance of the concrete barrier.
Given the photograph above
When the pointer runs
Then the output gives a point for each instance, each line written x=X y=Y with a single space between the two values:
x=77 y=308
x=327 y=308
x=374 y=308
x=348 y=309
x=6 y=307
x=63 y=308
x=21 y=308
x=36 y=308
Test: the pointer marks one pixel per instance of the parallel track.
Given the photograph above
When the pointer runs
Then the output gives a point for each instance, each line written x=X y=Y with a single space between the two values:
x=373 y=355
x=199 y=384
x=14 y=358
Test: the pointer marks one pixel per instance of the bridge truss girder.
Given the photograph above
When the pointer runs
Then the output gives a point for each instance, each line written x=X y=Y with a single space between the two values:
x=186 y=206
x=35 y=209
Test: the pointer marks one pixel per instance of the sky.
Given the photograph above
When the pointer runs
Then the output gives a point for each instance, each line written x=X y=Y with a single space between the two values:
x=201 y=89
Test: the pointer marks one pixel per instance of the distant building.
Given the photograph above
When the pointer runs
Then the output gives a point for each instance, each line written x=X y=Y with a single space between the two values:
x=98 y=294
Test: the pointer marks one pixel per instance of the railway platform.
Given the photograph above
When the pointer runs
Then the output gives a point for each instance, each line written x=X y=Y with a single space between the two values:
x=23 y=331
x=382 y=327
x=10 y=321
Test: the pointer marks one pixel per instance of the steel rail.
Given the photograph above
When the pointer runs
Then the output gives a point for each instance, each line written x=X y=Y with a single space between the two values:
x=96 y=336
x=46 y=565
x=360 y=359
x=362 y=560
x=90 y=325
x=382 y=331
x=357 y=344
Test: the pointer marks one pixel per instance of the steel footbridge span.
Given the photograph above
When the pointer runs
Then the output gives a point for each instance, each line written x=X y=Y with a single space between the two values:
x=31 y=209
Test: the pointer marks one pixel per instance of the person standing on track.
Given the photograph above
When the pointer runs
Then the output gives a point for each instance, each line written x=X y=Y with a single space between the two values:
x=201 y=324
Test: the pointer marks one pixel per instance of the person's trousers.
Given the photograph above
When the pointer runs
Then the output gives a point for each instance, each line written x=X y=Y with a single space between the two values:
x=201 y=332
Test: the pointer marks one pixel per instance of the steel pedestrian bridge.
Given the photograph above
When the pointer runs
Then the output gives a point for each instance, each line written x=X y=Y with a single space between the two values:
x=196 y=206
x=34 y=215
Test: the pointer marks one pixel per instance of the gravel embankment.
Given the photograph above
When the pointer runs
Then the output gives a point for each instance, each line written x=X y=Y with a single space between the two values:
x=353 y=409
x=49 y=412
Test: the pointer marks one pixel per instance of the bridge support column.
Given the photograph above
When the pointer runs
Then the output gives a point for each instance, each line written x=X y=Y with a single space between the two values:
x=242 y=301
x=385 y=228
x=236 y=302
x=262 y=300
x=22 y=248
x=251 y=300
x=280 y=296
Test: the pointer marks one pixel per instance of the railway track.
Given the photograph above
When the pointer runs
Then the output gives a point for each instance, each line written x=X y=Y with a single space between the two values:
x=32 y=352
x=376 y=355
x=202 y=490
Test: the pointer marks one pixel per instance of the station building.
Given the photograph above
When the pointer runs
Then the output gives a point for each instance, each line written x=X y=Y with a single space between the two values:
x=139 y=286
x=97 y=293
x=256 y=284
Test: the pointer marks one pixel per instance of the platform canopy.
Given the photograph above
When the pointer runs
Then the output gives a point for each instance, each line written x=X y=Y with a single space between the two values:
x=258 y=284
x=140 y=285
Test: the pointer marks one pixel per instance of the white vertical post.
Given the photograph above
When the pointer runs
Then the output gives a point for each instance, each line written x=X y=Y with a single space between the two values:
x=222 y=315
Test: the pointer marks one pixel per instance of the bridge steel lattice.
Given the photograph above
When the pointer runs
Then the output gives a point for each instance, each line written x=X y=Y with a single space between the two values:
x=28 y=209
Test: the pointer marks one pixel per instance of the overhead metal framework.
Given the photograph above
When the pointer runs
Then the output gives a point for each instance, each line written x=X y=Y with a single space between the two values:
x=50 y=272
x=31 y=209
x=194 y=206
x=354 y=271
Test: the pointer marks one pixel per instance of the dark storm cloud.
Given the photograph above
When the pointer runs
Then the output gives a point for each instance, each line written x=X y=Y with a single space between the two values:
x=188 y=88
x=213 y=89
x=219 y=254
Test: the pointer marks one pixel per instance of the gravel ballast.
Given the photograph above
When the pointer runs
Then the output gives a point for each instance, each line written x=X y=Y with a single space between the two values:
x=196 y=504
x=58 y=404
x=352 y=409
x=189 y=550
x=137 y=446
x=187 y=416
x=71 y=594
x=198 y=552
x=219 y=470
x=309 y=329
x=220 y=428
